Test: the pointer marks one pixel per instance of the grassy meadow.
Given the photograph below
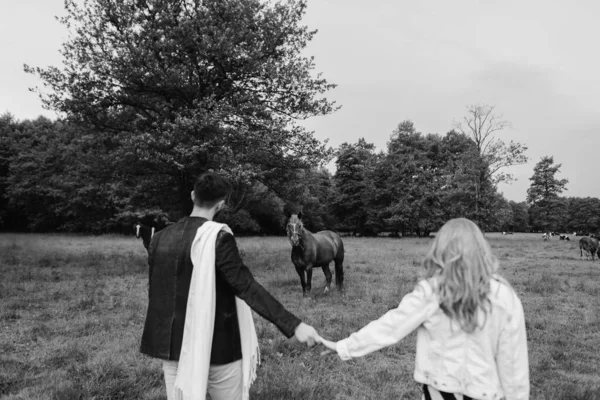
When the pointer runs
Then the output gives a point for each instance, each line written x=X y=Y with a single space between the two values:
x=72 y=310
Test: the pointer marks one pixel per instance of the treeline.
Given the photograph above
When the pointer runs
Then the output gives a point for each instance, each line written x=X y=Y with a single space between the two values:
x=569 y=214
x=57 y=176
x=193 y=95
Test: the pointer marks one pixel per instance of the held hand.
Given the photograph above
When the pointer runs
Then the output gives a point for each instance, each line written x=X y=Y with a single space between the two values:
x=306 y=334
x=331 y=346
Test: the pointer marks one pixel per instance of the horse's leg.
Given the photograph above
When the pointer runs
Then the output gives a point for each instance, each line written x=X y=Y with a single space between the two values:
x=327 y=273
x=339 y=267
x=300 y=272
x=308 y=278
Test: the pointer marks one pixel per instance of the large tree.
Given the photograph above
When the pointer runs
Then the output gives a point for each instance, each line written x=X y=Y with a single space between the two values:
x=482 y=124
x=543 y=195
x=461 y=166
x=414 y=165
x=185 y=86
x=353 y=185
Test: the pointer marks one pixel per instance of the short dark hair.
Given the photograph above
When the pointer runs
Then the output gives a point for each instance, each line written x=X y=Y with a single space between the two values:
x=210 y=188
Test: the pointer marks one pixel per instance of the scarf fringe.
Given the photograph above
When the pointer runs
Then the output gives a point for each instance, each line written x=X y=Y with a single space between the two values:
x=254 y=363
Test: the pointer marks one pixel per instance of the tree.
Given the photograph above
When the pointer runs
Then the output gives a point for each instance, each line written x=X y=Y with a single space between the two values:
x=414 y=168
x=543 y=194
x=311 y=192
x=352 y=185
x=316 y=198
x=461 y=165
x=185 y=86
x=583 y=215
x=481 y=125
x=520 y=220
x=8 y=148
x=59 y=178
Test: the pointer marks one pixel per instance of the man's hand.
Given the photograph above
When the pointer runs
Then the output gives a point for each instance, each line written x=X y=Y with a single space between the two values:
x=307 y=334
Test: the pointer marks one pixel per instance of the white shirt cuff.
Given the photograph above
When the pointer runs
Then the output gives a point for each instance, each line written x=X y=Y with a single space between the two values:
x=342 y=349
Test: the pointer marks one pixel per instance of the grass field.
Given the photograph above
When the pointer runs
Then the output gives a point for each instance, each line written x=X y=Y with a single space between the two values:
x=72 y=310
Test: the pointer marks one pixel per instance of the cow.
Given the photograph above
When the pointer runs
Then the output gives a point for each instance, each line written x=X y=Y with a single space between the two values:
x=562 y=237
x=590 y=246
x=145 y=232
x=546 y=236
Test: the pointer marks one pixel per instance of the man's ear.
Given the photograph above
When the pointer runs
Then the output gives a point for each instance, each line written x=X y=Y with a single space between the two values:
x=193 y=196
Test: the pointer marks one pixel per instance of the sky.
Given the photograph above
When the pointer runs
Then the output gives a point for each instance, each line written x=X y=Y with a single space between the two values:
x=537 y=62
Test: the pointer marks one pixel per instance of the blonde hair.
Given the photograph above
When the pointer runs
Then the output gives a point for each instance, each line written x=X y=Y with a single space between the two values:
x=462 y=262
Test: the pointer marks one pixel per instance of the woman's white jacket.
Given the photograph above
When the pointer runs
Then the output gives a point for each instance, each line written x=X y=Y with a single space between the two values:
x=490 y=363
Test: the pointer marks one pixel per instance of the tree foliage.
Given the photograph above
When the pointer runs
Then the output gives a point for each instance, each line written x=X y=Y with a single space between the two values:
x=544 y=184
x=352 y=181
x=414 y=179
x=184 y=86
x=520 y=217
x=582 y=215
x=57 y=175
x=414 y=187
x=547 y=207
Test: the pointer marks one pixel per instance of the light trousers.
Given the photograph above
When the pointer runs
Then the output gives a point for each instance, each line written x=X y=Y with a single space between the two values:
x=224 y=381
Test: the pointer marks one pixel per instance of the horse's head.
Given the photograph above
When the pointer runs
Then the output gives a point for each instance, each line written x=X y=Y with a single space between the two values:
x=295 y=228
x=137 y=230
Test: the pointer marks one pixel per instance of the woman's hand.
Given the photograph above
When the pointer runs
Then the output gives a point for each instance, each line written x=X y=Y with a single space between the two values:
x=331 y=346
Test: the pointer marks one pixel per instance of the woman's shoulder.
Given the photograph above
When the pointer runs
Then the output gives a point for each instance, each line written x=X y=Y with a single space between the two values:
x=502 y=293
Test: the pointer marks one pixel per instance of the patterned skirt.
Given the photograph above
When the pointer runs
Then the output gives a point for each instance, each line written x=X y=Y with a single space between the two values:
x=430 y=393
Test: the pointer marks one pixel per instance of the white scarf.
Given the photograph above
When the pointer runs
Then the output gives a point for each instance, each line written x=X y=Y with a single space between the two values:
x=194 y=360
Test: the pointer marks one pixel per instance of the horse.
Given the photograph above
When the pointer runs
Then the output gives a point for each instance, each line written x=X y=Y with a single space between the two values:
x=315 y=250
x=145 y=232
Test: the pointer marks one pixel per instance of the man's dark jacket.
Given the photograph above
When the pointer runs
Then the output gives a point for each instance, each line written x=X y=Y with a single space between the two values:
x=171 y=267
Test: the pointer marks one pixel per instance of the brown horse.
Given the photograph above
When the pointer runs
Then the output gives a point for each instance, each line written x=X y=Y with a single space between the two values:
x=310 y=250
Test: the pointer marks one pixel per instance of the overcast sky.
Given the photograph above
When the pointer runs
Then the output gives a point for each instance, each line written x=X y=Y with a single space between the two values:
x=537 y=62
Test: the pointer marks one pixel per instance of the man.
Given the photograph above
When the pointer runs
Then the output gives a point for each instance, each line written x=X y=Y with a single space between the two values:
x=171 y=264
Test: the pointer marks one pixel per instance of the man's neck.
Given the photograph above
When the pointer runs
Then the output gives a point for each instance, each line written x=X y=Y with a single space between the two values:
x=207 y=213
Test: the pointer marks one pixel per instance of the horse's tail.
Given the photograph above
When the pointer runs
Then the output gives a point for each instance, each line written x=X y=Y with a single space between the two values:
x=339 y=264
